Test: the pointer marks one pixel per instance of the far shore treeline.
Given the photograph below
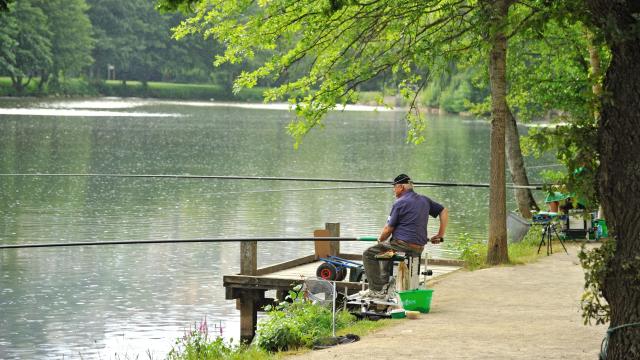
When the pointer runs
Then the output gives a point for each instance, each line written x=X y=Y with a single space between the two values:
x=125 y=48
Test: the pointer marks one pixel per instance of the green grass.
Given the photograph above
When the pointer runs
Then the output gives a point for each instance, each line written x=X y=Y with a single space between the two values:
x=7 y=90
x=163 y=90
x=361 y=328
x=526 y=251
x=474 y=252
x=365 y=327
x=166 y=90
x=197 y=346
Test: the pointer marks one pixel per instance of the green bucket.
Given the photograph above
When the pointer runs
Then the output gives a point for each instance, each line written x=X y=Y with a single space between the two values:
x=418 y=300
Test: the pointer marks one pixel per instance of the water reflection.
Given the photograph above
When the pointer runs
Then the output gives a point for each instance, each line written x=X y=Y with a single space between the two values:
x=99 y=301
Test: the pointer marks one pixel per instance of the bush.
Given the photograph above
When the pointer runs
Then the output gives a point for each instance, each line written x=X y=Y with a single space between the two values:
x=195 y=345
x=297 y=324
x=473 y=252
x=594 y=262
x=71 y=87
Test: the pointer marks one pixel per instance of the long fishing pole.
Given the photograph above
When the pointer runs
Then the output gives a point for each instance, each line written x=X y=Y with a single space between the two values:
x=184 y=241
x=275 y=178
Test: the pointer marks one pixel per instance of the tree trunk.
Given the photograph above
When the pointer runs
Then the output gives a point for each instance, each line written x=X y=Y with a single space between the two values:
x=619 y=172
x=16 y=82
x=44 y=78
x=524 y=198
x=595 y=67
x=595 y=72
x=497 y=247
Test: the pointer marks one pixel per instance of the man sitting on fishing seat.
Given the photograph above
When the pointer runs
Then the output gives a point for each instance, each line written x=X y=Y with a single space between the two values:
x=407 y=224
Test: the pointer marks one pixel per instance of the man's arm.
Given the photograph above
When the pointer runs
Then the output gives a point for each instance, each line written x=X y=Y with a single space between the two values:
x=444 y=220
x=386 y=232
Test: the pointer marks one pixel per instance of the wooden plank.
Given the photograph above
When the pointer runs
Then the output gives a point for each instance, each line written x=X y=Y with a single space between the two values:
x=322 y=248
x=327 y=248
x=352 y=257
x=286 y=265
x=269 y=283
x=255 y=282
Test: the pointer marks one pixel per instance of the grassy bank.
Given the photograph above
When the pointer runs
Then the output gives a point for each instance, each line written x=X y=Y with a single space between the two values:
x=162 y=90
x=474 y=252
x=197 y=345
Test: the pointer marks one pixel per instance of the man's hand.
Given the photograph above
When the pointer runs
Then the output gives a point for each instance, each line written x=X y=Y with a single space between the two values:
x=436 y=239
x=385 y=233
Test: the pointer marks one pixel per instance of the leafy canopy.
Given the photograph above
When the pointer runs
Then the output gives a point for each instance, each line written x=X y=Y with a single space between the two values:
x=339 y=45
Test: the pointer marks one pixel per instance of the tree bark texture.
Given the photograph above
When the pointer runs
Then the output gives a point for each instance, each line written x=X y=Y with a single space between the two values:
x=524 y=198
x=497 y=246
x=619 y=172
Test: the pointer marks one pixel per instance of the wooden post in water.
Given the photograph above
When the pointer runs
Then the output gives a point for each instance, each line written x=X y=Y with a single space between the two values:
x=248 y=299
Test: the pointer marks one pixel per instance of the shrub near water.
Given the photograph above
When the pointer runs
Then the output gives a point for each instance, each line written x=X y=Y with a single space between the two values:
x=297 y=324
x=290 y=325
x=196 y=345
x=472 y=251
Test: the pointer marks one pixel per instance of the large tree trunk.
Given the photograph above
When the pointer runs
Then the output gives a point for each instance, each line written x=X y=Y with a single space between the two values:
x=619 y=173
x=497 y=247
x=524 y=198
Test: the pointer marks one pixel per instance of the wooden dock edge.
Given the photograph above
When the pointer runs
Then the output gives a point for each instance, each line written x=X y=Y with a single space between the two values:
x=234 y=284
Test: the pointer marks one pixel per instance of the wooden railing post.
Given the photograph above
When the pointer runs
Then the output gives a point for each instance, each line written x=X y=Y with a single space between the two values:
x=248 y=308
x=334 y=230
x=248 y=257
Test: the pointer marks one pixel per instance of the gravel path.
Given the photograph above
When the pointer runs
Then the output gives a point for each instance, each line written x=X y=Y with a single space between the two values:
x=516 y=312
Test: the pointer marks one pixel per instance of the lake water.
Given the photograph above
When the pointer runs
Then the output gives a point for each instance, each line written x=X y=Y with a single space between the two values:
x=134 y=300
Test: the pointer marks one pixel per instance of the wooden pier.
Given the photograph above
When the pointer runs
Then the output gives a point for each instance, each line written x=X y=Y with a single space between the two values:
x=249 y=286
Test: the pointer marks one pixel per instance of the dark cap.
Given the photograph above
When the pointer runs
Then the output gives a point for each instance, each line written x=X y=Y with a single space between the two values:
x=401 y=179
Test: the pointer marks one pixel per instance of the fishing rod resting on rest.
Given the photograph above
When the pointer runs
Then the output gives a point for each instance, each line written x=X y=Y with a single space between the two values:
x=275 y=178
x=178 y=241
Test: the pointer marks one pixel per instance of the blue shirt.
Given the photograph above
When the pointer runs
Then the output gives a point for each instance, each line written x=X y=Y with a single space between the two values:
x=410 y=215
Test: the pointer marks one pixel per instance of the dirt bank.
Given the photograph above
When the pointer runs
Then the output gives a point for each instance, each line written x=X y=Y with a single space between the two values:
x=516 y=312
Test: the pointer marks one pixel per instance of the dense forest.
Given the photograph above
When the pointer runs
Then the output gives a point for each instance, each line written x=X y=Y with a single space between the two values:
x=91 y=47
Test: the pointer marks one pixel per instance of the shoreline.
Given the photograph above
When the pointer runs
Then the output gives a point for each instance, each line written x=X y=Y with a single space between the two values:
x=529 y=311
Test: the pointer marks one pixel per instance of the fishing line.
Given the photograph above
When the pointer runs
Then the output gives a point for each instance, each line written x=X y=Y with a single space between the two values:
x=272 y=178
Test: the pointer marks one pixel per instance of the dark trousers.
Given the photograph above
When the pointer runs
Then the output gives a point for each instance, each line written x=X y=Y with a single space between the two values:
x=378 y=271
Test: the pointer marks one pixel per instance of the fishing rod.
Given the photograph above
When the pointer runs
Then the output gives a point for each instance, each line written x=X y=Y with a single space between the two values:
x=184 y=241
x=273 y=178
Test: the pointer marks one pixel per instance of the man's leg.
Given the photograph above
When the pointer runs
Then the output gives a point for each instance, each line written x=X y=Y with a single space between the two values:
x=376 y=276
